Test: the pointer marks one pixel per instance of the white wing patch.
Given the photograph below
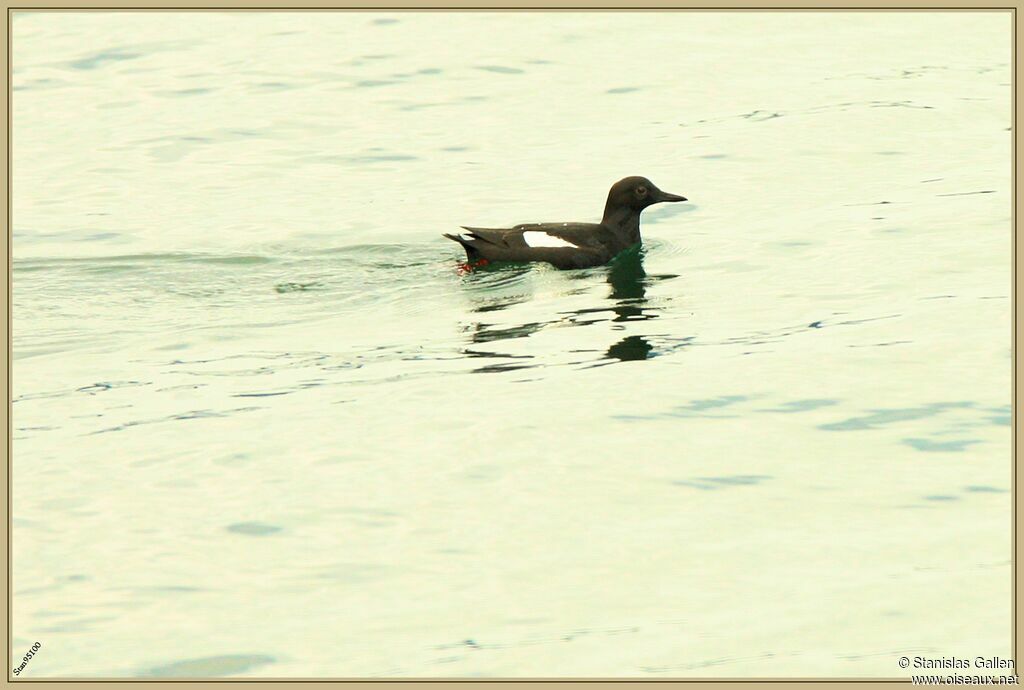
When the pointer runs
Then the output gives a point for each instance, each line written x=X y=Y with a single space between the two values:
x=536 y=238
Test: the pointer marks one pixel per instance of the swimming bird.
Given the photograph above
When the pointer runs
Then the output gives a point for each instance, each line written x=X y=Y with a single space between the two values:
x=569 y=245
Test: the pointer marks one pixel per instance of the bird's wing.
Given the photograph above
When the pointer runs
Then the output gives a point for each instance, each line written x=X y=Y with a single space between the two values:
x=566 y=245
x=508 y=238
x=537 y=235
x=571 y=235
x=534 y=243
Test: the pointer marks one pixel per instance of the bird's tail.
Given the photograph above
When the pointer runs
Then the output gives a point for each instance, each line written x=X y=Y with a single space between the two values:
x=471 y=252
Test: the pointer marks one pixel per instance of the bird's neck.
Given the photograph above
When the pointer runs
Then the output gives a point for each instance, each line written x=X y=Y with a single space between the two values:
x=623 y=221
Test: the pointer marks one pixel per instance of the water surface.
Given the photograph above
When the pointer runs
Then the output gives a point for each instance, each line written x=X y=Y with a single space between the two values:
x=263 y=426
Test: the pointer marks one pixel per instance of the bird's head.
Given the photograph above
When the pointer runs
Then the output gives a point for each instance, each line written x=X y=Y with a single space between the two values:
x=637 y=193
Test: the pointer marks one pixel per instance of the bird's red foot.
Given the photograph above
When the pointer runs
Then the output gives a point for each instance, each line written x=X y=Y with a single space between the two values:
x=469 y=266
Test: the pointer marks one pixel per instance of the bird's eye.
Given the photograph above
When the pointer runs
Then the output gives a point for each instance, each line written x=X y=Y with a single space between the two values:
x=640 y=191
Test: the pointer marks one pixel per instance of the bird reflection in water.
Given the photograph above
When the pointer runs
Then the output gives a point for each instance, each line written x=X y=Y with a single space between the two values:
x=630 y=348
x=628 y=302
x=628 y=280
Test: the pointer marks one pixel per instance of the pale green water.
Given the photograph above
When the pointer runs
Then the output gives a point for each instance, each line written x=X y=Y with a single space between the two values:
x=250 y=436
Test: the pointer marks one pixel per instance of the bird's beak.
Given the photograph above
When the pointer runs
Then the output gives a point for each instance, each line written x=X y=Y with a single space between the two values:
x=665 y=196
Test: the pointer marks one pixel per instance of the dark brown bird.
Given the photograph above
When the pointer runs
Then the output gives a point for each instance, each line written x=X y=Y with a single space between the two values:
x=570 y=245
